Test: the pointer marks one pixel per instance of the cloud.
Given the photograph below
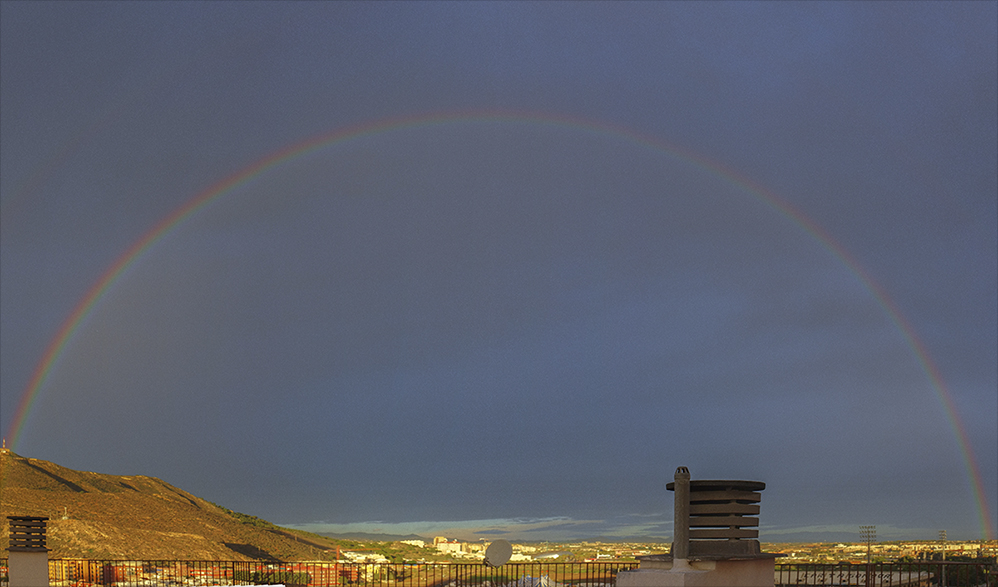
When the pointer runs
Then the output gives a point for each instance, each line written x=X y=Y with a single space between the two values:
x=527 y=529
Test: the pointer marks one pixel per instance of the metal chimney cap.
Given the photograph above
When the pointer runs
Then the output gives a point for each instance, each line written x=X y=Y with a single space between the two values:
x=720 y=484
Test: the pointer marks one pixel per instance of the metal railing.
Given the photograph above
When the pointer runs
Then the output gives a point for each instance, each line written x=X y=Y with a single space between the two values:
x=901 y=574
x=87 y=573
x=117 y=573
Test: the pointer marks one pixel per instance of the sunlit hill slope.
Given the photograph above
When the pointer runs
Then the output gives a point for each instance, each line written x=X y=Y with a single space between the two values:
x=137 y=517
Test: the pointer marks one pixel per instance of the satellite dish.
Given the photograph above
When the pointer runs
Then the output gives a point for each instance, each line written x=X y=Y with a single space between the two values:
x=498 y=553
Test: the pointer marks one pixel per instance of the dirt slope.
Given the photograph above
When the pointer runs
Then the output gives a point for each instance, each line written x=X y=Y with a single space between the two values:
x=138 y=517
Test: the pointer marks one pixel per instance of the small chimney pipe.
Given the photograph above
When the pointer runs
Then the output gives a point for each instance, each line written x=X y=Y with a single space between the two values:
x=681 y=521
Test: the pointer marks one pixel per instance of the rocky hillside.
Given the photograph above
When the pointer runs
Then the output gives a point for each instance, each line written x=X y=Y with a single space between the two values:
x=92 y=515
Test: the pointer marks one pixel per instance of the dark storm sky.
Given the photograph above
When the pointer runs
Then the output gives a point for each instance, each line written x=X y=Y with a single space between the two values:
x=494 y=321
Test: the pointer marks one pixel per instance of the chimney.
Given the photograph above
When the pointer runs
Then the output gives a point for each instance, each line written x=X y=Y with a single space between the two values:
x=28 y=557
x=681 y=515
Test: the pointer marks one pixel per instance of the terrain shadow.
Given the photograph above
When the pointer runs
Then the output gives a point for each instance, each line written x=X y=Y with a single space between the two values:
x=251 y=551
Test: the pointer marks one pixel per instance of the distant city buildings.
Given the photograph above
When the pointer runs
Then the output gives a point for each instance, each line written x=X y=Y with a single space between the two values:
x=796 y=552
x=560 y=552
x=459 y=549
x=363 y=556
x=887 y=551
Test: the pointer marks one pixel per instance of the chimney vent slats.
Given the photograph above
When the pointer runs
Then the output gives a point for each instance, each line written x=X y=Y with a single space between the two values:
x=716 y=516
x=27 y=533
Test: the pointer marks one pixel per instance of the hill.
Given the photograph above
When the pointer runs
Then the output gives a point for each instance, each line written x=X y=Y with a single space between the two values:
x=374 y=536
x=92 y=515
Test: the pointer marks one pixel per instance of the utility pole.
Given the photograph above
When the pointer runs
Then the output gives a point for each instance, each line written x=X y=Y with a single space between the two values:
x=868 y=534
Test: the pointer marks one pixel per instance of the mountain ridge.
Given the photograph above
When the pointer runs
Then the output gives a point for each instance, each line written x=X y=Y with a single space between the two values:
x=96 y=515
x=373 y=536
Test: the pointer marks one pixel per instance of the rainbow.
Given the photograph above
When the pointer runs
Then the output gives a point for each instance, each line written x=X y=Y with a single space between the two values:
x=134 y=253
